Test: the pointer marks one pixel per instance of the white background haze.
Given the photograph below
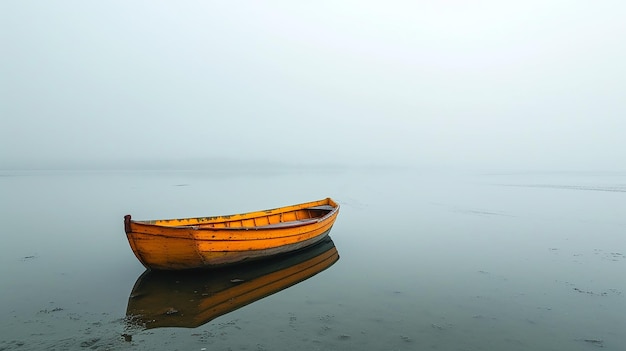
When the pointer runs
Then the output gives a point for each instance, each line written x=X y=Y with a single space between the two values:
x=495 y=84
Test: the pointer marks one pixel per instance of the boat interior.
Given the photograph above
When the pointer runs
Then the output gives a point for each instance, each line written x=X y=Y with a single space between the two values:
x=272 y=220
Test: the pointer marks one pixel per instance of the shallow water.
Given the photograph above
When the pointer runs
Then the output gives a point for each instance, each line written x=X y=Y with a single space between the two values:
x=428 y=260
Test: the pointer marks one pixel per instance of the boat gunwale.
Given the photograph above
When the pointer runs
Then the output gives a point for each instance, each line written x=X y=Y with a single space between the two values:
x=334 y=207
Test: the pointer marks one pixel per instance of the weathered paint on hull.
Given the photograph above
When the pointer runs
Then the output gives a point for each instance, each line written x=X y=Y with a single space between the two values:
x=209 y=241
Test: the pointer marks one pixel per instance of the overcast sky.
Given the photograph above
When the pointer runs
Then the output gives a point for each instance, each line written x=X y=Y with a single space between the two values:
x=526 y=84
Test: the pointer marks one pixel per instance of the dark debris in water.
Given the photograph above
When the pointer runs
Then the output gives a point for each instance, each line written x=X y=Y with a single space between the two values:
x=56 y=309
x=604 y=293
x=610 y=256
x=596 y=342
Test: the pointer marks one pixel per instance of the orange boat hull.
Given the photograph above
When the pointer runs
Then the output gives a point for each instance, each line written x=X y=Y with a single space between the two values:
x=204 y=242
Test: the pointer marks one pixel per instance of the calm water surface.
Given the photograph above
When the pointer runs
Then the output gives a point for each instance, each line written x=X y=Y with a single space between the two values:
x=428 y=260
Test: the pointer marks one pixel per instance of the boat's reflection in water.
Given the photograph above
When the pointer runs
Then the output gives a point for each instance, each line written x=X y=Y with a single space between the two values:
x=193 y=298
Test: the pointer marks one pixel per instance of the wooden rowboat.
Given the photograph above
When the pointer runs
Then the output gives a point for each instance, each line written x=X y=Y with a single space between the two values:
x=189 y=299
x=203 y=242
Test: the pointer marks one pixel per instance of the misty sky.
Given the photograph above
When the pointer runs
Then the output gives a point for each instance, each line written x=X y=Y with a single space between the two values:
x=525 y=84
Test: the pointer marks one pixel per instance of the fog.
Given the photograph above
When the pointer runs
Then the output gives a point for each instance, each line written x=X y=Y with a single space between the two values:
x=488 y=84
